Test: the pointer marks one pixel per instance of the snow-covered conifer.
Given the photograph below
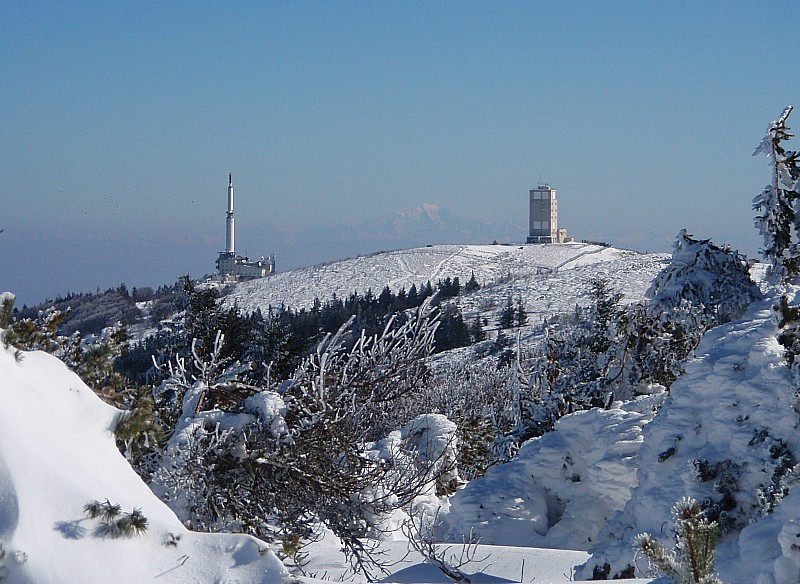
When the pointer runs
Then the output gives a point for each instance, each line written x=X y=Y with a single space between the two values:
x=6 y=308
x=692 y=560
x=778 y=221
x=505 y=319
x=472 y=284
x=712 y=278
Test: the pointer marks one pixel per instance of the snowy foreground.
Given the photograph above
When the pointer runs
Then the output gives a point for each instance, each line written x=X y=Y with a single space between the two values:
x=57 y=453
x=724 y=429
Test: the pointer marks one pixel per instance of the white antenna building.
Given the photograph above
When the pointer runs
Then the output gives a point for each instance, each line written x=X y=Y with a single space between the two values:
x=232 y=267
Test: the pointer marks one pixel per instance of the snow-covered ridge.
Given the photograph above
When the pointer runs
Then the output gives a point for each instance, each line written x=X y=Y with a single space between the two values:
x=525 y=264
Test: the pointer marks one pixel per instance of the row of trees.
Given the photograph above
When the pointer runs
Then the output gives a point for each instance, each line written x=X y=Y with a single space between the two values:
x=283 y=336
x=90 y=313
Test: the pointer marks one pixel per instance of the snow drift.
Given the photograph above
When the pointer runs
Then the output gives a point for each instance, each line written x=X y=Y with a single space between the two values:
x=562 y=487
x=725 y=437
x=57 y=453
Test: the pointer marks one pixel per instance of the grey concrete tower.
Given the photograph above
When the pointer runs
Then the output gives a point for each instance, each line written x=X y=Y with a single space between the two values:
x=543 y=224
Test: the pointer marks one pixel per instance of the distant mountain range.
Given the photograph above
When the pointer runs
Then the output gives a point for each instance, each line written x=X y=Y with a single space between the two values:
x=432 y=224
x=428 y=224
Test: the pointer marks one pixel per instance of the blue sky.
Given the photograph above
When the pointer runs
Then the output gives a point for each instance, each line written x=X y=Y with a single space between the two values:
x=121 y=121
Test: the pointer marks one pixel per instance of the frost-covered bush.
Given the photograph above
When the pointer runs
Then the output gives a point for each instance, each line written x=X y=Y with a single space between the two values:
x=41 y=333
x=476 y=398
x=434 y=441
x=276 y=460
x=779 y=222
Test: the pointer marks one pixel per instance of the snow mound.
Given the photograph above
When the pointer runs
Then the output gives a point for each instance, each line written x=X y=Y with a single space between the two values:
x=562 y=487
x=723 y=437
x=57 y=453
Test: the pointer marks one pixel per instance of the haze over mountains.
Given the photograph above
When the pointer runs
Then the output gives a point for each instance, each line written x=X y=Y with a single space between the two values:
x=108 y=260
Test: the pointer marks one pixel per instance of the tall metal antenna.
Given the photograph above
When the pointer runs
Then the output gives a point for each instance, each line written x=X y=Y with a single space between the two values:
x=230 y=233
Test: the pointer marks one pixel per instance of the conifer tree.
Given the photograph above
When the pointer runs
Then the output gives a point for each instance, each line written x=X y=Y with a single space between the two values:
x=521 y=316
x=692 y=561
x=471 y=285
x=413 y=297
x=506 y=319
x=476 y=330
x=779 y=222
x=6 y=308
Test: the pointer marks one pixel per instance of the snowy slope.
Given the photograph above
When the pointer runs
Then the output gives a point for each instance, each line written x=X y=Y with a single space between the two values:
x=722 y=430
x=490 y=564
x=57 y=453
x=562 y=487
x=544 y=275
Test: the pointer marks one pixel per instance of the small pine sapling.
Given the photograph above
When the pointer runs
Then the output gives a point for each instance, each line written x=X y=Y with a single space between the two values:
x=109 y=511
x=113 y=522
x=6 y=309
x=692 y=560
x=95 y=509
x=135 y=522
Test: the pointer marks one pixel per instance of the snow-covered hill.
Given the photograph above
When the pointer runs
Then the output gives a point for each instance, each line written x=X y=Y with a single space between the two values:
x=548 y=277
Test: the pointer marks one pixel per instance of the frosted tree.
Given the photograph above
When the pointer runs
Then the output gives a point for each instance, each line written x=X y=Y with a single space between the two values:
x=703 y=286
x=714 y=279
x=6 y=308
x=778 y=221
